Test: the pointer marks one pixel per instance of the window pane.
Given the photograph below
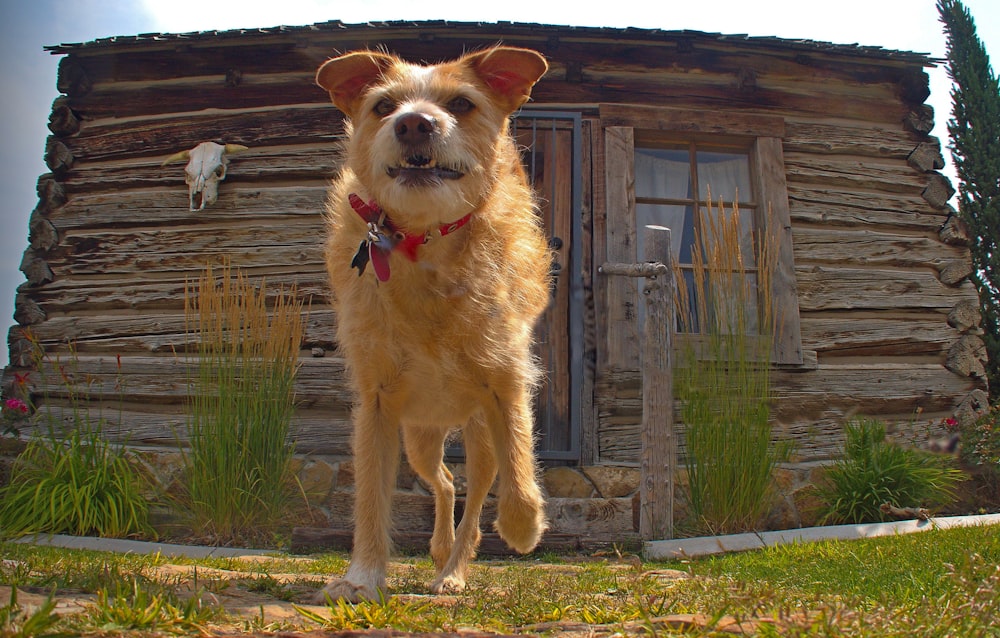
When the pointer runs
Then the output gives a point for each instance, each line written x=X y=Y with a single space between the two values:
x=711 y=220
x=727 y=175
x=677 y=218
x=662 y=173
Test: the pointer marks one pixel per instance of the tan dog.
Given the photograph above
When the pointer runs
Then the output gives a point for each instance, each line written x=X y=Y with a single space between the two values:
x=439 y=270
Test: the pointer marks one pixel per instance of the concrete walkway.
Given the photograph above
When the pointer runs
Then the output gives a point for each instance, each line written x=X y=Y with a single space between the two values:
x=693 y=547
x=125 y=546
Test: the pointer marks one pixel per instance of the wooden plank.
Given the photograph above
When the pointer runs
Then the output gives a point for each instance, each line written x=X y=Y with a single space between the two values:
x=838 y=288
x=692 y=122
x=658 y=456
x=844 y=207
x=166 y=332
x=162 y=207
x=842 y=138
x=281 y=242
x=284 y=125
x=883 y=176
x=622 y=338
x=769 y=160
x=260 y=166
x=874 y=249
x=809 y=408
x=879 y=335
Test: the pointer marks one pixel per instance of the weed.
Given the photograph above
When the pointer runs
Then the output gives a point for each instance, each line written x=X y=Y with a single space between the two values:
x=18 y=622
x=135 y=608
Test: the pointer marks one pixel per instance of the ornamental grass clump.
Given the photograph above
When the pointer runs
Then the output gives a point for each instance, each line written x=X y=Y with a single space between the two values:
x=723 y=379
x=874 y=471
x=237 y=479
x=78 y=484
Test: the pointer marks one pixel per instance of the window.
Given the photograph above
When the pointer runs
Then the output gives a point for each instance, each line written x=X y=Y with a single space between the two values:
x=673 y=184
x=659 y=165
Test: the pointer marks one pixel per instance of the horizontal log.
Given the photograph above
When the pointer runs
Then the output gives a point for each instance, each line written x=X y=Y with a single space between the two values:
x=288 y=124
x=109 y=379
x=255 y=167
x=278 y=243
x=325 y=432
x=851 y=208
x=69 y=294
x=809 y=408
x=870 y=248
x=853 y=173
x=849 y=335
x=859 y=140
x=135 y=332
x=164 y=207
x=836 y=288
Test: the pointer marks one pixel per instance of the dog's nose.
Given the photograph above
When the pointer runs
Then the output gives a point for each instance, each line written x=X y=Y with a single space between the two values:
x=414 y=129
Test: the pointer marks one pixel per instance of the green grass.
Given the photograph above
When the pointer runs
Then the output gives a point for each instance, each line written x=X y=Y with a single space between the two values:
x=936 y=583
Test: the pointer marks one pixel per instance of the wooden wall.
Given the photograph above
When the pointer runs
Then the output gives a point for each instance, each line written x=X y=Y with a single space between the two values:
x=888 y=318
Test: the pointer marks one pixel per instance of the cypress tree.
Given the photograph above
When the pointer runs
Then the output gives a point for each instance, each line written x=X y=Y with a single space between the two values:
x=975 y=147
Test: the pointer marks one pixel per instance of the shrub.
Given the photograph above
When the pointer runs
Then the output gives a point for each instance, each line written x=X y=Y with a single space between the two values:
x=78 y=485
x=237 y=477
x=874 y=471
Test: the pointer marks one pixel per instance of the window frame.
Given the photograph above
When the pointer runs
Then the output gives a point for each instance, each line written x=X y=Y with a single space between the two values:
x=622 y=125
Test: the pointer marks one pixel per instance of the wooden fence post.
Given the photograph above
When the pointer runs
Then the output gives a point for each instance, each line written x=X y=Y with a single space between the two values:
x=658 y=455
x=657 y=461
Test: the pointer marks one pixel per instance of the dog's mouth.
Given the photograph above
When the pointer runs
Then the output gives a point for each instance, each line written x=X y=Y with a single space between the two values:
x=419 y=170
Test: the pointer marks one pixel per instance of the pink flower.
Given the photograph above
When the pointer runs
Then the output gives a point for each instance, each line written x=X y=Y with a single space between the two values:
x=16 y=405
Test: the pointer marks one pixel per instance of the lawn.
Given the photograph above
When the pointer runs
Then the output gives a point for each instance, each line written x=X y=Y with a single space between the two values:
x=935 y=583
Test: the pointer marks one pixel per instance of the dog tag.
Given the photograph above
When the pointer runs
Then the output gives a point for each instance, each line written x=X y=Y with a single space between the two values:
x=361 y=257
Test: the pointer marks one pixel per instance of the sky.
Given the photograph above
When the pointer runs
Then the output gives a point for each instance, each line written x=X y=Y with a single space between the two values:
x=29 y=74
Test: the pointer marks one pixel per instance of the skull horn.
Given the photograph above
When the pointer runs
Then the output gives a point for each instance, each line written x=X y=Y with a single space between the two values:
x=232 y=149
x=176 y=157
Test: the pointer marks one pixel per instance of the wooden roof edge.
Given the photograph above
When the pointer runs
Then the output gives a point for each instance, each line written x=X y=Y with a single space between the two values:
x=513 y=28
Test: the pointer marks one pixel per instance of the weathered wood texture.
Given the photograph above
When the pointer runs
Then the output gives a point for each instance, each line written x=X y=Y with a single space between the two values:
x=876 y=263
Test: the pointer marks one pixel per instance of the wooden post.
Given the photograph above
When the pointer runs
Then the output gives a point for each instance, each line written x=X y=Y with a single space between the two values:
x=658 y=454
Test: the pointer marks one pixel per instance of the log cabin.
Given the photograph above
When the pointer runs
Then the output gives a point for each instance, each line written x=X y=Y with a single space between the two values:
x=878 y=317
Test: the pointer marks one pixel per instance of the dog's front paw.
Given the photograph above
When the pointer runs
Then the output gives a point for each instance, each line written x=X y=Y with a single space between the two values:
x=521 y=522
x=452 y=584
x=348 y=591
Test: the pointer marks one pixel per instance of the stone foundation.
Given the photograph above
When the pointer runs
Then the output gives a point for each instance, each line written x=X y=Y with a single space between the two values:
x=599 y=504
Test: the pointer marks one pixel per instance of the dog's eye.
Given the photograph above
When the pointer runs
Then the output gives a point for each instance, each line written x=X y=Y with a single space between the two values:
x=384 y=107
x=460 y=105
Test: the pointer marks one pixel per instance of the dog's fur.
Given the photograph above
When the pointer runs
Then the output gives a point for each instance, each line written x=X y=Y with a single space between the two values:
x=445 y=341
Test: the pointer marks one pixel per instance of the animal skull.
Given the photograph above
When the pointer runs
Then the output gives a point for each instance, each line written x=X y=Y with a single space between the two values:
x=205 y=169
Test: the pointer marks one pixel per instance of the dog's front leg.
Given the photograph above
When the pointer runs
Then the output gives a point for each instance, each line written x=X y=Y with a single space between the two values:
x=520 y=507
x=376 y=461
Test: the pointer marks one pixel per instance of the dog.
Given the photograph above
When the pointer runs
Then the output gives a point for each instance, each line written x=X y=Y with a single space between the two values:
x=439 y=269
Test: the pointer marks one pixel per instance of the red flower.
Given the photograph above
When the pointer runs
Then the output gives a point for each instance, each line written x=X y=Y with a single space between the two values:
x=16 y=405
x=951 y=423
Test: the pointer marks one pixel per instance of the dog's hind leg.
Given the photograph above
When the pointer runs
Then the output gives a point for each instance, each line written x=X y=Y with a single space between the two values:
x=520 y=508
x=481 y=470
x=425 y=453
x=376 y=461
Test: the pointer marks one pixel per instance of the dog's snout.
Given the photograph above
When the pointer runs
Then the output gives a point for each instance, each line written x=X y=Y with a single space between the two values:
x=414 y=129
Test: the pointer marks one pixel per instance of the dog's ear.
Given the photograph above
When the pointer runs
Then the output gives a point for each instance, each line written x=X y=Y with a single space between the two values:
x=346 y=77
x=509 y=72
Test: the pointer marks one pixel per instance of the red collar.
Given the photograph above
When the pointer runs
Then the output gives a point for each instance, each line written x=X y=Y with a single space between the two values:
x=385 y=237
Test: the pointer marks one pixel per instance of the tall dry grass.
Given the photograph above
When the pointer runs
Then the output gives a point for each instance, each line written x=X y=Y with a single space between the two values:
x=237 y=478
x=723 y=376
